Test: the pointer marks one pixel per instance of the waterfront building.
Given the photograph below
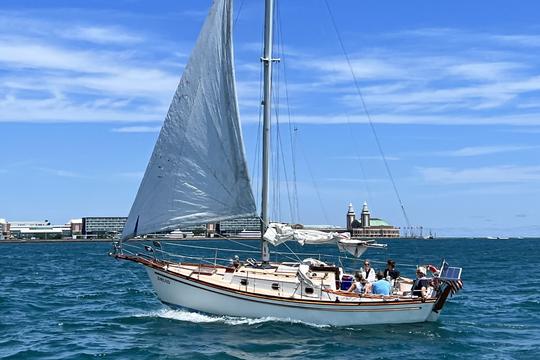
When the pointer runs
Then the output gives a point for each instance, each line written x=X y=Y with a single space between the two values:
x=33 y=230
x=3 y=229
x=102 y=226
x=236 y=226
x=210 y=230
x=368 y=226
x=351 y=215
x=76 y=226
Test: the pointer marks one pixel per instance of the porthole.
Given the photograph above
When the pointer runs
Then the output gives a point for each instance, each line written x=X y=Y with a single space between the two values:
x=275 y=286
x=308 y=290
x=243 y=282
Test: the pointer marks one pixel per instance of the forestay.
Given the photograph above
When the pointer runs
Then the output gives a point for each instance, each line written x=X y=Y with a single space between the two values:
x=197 y=172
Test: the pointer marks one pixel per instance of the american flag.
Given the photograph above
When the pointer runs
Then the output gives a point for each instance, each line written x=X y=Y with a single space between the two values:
x=455 y=285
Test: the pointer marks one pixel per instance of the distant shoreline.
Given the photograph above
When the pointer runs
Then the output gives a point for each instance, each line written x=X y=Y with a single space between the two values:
x=52 y=241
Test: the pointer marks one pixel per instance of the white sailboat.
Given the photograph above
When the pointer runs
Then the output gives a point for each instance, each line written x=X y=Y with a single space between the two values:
x=198 y=174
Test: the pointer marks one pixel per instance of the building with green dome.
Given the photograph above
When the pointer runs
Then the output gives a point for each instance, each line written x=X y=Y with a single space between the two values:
x=368 y=227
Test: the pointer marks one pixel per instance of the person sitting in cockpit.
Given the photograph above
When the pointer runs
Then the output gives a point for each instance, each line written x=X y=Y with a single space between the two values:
x=359 y=284
x=421 y=283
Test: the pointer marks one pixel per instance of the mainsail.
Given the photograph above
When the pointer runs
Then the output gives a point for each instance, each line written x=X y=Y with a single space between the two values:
x=197 y=173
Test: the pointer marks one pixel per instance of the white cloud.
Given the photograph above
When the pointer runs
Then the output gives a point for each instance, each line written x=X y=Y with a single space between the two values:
x=60 y=172
x=102 y=35
x=353 y=180
x=111 y=81
x=484 y=70
x=366 y=157
x=137 y=175
x=485 y=150
x=364 y=68
x=137 y=129
x=57 y=109
x=532 y=119
x=522 y=39
x=495 y=174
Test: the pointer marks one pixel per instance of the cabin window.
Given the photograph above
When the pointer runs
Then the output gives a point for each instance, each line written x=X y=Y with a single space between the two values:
x=308 y=290
x=275 y=286
x=243 y=282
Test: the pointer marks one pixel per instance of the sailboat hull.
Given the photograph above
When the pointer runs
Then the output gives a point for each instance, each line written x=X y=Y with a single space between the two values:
x=190 y=294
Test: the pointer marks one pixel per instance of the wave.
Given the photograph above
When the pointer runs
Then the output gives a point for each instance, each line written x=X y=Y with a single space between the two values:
x=195 y=317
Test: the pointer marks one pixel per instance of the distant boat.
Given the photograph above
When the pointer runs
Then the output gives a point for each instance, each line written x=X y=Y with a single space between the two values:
x=198 y=174
x=175 y=234
x=247 y=234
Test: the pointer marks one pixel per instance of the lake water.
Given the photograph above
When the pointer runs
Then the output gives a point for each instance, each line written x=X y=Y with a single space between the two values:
x=72 y=301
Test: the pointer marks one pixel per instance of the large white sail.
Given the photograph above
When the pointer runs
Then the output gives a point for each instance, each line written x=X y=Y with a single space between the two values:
x=197 y=172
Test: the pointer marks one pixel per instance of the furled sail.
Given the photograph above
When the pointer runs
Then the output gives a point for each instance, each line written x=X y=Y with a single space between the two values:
x=197 y=173
x=279 y=233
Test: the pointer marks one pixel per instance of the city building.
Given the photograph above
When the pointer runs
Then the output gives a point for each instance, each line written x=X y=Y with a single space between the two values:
x=3 y=229
x=76 y=226
x=236 y=226
x=33 y=230
x=368 y=226
x=100 y=227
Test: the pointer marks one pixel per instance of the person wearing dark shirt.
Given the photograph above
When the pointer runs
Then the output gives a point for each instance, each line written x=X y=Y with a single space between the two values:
x=421 y=283
x=390 y=273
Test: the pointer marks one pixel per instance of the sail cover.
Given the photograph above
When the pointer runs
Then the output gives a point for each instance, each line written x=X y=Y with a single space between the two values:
x=279 y=233
x=197 y=172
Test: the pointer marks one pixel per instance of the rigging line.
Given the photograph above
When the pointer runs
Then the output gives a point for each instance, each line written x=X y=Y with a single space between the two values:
x=291 y=208
x=240 y=7
x=213 y=249
x=257 y=158
x=283 y=162
x=292 y=142
x=245 y=245
x=277 y=144
x=294 y=200
x=292 y=252
x=277 y=148
x=315 y=186
x=368 y=115
x=236 y=242
x=361 y=165
x=357 y=146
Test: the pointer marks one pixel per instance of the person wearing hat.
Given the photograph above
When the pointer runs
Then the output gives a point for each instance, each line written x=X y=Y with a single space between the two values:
x=421 y=283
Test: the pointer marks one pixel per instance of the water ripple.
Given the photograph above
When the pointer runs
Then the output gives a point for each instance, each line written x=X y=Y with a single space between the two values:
x=66 y=301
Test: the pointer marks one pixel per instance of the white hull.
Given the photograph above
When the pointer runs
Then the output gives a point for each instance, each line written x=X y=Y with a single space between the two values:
x=196 y=295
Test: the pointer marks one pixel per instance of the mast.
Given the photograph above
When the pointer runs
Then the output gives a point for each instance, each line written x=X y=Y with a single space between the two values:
x=267 y=63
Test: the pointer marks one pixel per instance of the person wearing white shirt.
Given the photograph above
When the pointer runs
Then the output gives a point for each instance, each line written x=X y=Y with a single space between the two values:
x=358 y=285
x=367 y=272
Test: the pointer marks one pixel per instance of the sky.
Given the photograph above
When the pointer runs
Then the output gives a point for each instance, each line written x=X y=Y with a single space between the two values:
x=452 y=87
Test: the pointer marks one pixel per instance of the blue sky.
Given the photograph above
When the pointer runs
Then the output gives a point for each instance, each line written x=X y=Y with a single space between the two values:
x=453 y=88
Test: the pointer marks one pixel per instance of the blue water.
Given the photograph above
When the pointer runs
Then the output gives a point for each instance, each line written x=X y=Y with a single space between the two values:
x=72 y=301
